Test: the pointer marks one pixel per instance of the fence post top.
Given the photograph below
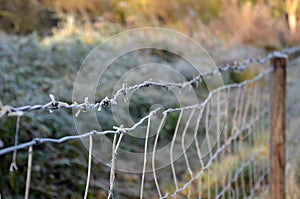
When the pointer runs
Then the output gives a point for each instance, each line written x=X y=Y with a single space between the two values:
x=279 y=55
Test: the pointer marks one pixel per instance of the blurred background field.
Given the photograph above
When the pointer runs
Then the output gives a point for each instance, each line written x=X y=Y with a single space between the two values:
x=263 y=23
x=43 y=43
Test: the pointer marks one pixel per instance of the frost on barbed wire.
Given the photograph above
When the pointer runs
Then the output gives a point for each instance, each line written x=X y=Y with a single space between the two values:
x=121 y=129
x=256 y=111
x=6 y=110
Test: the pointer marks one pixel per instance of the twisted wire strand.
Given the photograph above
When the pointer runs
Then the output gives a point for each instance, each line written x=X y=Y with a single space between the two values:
x=122 y=130
x=7 y=110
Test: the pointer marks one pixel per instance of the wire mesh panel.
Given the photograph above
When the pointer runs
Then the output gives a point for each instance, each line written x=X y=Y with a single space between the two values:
x=232 y=163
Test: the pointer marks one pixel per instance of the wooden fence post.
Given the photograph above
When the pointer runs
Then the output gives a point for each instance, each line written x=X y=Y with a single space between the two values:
x=277 y=126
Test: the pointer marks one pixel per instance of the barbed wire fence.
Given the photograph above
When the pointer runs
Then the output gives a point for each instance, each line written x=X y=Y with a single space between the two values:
x=235 y=166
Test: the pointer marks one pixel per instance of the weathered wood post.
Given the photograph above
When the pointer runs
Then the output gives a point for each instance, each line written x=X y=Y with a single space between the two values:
x=277 y=126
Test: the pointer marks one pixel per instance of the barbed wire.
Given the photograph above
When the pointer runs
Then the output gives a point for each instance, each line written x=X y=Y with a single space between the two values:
x=291 y=50
x=121 y=129
x=7 y=110
x=54 y=105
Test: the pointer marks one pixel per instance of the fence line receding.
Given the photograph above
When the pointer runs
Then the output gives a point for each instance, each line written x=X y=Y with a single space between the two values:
x=223 y=141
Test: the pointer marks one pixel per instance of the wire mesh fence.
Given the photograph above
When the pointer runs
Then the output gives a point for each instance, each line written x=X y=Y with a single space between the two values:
x=217 y=148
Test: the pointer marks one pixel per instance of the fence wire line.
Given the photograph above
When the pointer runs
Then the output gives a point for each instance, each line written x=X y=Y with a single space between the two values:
x=119 y=132
x=236 y=175
x=122 y=130
x=259 y=181
x=29 y=167
x=13 y=165
x=88 y=178
x=6 y=110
